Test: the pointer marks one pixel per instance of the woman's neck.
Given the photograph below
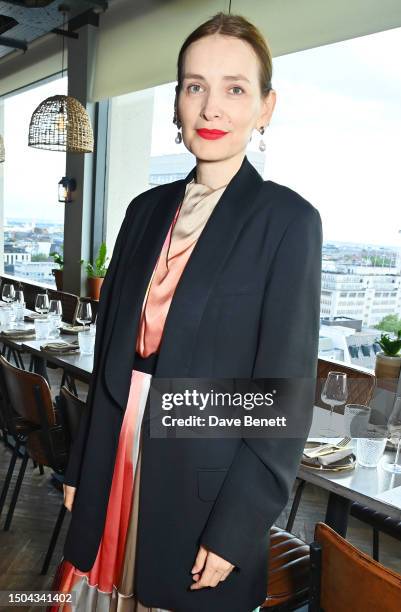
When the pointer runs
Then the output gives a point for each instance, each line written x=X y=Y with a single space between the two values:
x=215 y=174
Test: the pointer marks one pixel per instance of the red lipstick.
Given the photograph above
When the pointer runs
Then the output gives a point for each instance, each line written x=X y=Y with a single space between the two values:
x=211 y=134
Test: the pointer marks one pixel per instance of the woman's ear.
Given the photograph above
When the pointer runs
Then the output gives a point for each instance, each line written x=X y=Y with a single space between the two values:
x=268 y=104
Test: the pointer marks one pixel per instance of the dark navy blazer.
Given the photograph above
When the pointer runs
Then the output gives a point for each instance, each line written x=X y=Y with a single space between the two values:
x=247 y=305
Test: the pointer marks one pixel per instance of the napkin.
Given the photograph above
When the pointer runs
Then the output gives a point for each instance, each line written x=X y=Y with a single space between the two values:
x=330 y=458
x=67 y=328
x=28 y=332
x=34 y=315
x=61 y=347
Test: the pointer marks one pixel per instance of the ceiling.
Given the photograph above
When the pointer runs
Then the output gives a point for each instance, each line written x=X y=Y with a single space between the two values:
x=23 y=21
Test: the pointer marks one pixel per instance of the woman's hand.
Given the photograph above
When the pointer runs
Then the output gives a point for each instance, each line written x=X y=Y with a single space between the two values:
x=215 y=569
x=69 y=494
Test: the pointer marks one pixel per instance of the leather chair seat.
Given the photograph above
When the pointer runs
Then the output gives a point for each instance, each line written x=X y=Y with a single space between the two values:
x=288 y=575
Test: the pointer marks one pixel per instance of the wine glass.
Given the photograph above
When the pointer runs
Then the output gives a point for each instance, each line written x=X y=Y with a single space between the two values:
x=55 y=317
x=8 y=293
x=84 y=313
x=334 y=393
x=42 y=303
x=56 y=308
x=394 y=429
x=19 y=296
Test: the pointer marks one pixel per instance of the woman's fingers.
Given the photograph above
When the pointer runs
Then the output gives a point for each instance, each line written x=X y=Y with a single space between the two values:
x=216 y=570
x=69 y=494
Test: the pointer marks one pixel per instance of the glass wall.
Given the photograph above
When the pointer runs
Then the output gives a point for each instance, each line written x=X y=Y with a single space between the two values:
x=334 y=138
x=33 y=218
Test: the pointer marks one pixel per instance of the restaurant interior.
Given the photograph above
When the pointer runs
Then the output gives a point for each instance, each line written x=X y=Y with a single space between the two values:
x=85 y=86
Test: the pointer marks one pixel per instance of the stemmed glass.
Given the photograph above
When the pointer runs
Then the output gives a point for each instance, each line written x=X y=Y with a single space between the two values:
x=42 y=303
x=334 y=393
x=8 y=293
x=84 y=313
x=55 y=316
x=19 y=296
x=394 y=429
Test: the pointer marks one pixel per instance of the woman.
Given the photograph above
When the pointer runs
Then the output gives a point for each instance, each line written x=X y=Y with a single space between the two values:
x=213 y=276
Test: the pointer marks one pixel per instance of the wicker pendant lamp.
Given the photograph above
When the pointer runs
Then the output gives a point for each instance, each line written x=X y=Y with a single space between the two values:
x=2 y=150
x=61 y=123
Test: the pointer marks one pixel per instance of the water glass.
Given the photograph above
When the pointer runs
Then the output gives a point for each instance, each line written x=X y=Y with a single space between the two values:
x=86 y=339
x=54 y=325
x=6 y=316
x=369 y=451
x=42 y=329
x=356 y=419
x=19 y=311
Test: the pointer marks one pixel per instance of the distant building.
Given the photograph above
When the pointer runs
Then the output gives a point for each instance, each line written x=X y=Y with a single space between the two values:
x=169 y=168
x=13 y=255
x=360 y=294
x=35 y=270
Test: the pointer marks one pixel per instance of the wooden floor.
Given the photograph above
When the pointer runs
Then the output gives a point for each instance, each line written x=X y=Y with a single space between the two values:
x=23 y=547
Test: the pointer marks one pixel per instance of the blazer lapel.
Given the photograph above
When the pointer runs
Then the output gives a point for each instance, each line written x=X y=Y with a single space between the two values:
x=194 y=286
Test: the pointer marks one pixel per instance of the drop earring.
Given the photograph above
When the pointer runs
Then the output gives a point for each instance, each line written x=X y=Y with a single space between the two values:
x=178 y=138
x=262 y=145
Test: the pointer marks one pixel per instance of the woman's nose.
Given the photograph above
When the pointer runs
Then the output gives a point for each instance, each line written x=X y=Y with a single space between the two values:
x=211 y=108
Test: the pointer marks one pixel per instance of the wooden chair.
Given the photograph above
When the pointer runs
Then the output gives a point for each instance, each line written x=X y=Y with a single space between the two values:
x=288 y=575
x=344 y=578
x=69 y=410
x=28 y=403
x=16 y=428
x=47 y=442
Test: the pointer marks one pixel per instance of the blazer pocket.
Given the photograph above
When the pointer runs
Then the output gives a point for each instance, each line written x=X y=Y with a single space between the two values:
x=210 y=482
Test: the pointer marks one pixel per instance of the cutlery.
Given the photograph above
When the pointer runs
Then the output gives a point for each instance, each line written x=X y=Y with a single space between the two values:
x=325 y=449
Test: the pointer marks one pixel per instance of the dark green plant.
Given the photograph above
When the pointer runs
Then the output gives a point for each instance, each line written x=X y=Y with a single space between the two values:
x=390 y=347
x=58 y=259
x=98 y=269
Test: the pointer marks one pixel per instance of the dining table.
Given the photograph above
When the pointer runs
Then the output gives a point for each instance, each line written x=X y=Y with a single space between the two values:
x=376 y=488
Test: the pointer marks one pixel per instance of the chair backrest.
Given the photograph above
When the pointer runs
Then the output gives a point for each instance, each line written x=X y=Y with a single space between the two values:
x=29 y=401
x=350 y=579
x=69 y=303
x=361 y=384
x=72 y=409
x=28 y=394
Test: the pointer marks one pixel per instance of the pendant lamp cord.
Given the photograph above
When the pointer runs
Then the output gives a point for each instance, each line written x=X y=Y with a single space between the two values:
x=229 y=7
x=62 y=53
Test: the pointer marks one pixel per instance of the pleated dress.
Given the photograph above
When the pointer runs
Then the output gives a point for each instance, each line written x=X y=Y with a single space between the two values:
x=109 y=585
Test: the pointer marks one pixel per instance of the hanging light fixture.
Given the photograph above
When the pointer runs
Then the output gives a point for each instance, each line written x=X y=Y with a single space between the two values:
x=61 y=123
x=2 y=150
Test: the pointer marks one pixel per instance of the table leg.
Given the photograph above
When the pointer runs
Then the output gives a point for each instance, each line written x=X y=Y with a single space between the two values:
x=39 y=367
x=337 y=513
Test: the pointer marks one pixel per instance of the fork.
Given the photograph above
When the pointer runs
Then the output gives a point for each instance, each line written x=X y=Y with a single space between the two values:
x=325 y=449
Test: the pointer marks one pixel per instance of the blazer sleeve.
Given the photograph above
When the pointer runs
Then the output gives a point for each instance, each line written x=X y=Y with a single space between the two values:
x=76 y=451
x=260 y=478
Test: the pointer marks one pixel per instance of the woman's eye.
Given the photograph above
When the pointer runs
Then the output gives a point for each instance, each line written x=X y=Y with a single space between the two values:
x=237 y=87
x=193 y=85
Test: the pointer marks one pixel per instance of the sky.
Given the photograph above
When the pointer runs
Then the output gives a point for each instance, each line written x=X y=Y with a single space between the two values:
x=334 y=138
x=31 y=175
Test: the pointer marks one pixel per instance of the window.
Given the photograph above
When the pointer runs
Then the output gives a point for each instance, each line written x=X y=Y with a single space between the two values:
x=33 y=218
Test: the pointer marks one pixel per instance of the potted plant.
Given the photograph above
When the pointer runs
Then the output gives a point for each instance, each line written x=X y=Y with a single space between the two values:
x=388 y=361
x=58 y=272
x=96 y=272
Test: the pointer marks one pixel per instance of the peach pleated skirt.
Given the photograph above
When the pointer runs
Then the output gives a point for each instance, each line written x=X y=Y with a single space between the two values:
x=109 y=585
